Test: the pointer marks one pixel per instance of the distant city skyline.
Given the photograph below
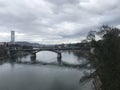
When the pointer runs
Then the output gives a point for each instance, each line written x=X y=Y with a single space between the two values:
x=55 y=21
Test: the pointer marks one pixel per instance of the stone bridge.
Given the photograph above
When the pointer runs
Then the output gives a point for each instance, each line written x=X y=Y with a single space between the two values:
x=34 y=51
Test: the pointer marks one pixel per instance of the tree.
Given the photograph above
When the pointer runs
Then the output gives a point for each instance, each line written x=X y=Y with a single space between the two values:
x=91 y=35
x=107 y=52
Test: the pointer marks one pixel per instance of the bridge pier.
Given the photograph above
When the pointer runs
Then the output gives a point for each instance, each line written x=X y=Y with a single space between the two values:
x=33 y=57
x=59 y=57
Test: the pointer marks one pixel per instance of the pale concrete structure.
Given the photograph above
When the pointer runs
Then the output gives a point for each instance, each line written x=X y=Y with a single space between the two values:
x=12 y=37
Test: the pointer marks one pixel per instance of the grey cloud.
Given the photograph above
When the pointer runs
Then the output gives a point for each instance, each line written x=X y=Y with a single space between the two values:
x=63 y=2
x=56 y=21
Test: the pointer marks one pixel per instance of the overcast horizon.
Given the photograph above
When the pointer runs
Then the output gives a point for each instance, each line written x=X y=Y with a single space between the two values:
x=55 y=21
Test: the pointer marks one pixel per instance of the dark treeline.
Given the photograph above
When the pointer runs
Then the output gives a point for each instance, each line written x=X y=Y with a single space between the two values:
x=4 y=49
x=106 y=56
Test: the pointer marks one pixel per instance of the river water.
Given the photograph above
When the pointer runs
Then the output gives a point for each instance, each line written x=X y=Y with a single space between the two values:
x=24 y=76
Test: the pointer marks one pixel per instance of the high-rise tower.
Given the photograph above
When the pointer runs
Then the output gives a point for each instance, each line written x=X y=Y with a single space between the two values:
x=12 y=37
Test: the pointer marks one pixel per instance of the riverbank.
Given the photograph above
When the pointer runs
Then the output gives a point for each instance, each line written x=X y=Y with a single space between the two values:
x=3 y=53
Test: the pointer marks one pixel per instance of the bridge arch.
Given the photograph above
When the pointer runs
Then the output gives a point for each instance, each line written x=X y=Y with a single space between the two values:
x=59 y=55
x=55 y=51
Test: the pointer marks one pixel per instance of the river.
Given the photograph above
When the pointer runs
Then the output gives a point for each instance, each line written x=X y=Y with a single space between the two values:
x=26 y=76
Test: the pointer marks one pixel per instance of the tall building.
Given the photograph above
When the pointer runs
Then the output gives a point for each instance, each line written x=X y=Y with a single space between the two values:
x=12 y=37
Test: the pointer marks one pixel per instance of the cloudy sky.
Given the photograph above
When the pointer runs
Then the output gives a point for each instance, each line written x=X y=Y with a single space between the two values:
x=55 y=21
